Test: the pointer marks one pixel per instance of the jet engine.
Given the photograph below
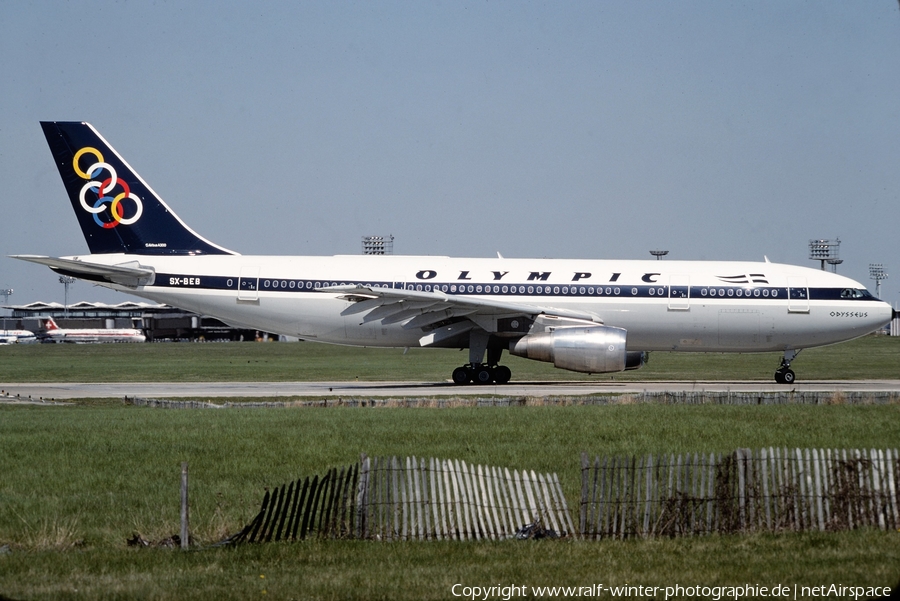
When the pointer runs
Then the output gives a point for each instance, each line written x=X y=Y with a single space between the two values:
x=590 y=349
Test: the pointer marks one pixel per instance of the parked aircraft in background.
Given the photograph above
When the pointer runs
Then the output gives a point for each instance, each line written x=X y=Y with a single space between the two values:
x=17 y=337
x=588 y=316
x=53 y=333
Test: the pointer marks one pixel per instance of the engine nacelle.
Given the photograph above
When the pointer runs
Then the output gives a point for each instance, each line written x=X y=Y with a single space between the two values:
x=591 y=349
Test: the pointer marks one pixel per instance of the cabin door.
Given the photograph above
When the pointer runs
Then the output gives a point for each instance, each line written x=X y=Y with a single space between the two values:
x=679 y=293
x=248 y=283
x=798 y=295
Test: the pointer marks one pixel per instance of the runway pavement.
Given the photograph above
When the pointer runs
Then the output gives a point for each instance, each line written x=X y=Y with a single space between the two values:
x=210 y=390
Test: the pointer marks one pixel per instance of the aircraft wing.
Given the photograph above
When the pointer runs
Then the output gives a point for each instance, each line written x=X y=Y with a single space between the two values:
x=420 y=309
x=126 y=274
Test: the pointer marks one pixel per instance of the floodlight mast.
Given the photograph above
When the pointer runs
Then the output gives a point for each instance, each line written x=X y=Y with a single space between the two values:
x=66 y=281
x=877 y=273
x=659 y=254
x=825 y=251
x=378 y=245
x=5 y=293
x=834 y=263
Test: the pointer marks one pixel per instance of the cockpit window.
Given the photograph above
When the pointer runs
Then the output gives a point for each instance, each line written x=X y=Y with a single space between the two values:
x=854 y=293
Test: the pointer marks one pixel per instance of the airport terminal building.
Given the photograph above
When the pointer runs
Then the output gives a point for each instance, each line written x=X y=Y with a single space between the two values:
x=158 y=322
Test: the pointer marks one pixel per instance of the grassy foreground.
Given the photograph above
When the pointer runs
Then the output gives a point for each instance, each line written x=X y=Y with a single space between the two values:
x=371 y=571
x=870 y=357
x=78 y=481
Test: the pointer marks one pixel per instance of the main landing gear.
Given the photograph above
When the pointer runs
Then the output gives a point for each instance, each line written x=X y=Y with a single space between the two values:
x=478 y=372
x=481 y=373
x=784 y=374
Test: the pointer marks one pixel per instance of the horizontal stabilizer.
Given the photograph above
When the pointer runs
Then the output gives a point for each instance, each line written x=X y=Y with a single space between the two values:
x=127 y=274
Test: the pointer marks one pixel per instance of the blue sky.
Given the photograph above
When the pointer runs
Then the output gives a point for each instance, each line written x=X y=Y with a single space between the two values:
x=716 y=130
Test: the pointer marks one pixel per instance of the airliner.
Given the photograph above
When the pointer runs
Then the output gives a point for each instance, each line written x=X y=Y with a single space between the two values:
x=17 y=337
x=588 y=316
x=54 y=333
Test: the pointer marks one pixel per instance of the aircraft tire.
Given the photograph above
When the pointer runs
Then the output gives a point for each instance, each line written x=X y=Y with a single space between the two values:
x=502 y=374
x=461 y=375
x=483 y=375
x=785 y=376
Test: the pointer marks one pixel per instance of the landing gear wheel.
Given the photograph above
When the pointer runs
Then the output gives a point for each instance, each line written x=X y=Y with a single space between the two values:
x=785 y=376
x=483 y=375
x=502 y=374
x=461 y=375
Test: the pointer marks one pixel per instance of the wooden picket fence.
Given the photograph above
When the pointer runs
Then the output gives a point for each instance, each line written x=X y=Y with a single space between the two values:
x=745 y=491
x=390 y=498
x=448 y=499
x=304 y=508
x=412 y=498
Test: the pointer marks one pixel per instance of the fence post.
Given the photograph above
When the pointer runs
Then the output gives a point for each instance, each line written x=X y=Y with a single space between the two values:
x=891 y=467
x=362 y=498
x=184 y=506
x=582 y=520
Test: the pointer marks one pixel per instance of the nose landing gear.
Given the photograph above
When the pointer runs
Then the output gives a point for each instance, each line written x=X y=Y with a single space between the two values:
x=784 y=374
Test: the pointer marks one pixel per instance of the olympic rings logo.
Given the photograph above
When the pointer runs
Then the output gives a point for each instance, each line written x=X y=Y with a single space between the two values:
x=110 y=190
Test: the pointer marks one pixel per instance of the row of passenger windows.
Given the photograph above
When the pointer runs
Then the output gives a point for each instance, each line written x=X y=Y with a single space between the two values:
x=737 y=292
x=521 y=289
x=496 y=289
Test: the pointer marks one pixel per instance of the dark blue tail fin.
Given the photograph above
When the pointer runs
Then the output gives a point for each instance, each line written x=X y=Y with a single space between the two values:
x=118 y=212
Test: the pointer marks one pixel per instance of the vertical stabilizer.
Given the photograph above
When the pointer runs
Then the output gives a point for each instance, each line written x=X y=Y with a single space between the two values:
x=118 y=212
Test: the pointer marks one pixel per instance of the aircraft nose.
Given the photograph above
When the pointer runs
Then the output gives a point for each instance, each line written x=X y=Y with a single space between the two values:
x=887 y=313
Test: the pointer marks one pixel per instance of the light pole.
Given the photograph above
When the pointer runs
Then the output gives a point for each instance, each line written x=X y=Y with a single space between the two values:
x=659 y=254
x=825 y=251
x=877 y=273
x=378 y=245
x=66 y=281
x=5 y=292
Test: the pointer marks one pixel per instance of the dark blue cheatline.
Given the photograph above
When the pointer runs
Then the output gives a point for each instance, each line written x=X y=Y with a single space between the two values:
x=697 y=293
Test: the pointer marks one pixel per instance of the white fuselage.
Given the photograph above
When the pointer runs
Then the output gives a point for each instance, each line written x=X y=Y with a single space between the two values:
x=663 y=305
x=17 y=337
x=90 y=335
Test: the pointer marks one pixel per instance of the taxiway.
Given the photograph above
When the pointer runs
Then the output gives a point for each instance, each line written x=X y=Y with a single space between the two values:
x=275 y=390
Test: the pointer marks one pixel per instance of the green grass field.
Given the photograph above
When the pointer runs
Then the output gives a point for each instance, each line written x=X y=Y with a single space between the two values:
x=76 y=482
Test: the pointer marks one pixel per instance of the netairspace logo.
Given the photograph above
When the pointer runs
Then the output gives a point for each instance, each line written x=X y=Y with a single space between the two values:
x=716 y=593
